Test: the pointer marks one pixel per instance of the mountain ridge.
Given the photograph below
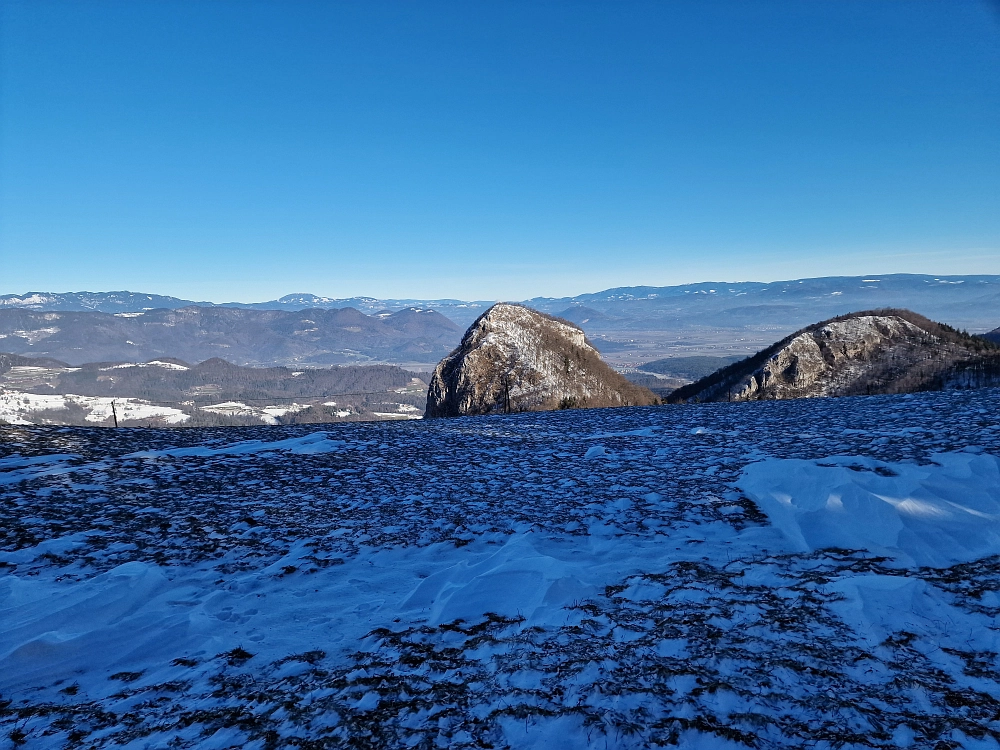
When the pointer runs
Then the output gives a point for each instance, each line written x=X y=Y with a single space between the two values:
x=245 y=337
x=868 y=352
x=628 y=325
x=887 y=290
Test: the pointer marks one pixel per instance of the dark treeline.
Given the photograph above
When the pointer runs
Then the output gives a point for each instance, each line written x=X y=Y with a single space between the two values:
x=213 y=380
x=247 y=337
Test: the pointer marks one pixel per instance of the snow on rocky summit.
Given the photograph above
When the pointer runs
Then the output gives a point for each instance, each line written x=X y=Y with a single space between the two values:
x=872 y=352
x=817 y=573
x=513 y=358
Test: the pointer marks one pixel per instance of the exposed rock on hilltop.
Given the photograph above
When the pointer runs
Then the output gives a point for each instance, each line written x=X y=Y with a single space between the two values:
x=881 y=351
x=517 y=359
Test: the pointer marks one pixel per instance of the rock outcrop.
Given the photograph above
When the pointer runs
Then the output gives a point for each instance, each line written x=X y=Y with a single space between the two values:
x=881 y=351
x=515 y=359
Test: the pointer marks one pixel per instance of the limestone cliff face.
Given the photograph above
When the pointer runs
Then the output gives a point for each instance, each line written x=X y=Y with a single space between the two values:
x=517 y=359
x=820 y=362
x=886 y=351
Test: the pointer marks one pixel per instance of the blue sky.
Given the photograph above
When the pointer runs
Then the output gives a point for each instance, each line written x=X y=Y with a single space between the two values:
x=245 y=150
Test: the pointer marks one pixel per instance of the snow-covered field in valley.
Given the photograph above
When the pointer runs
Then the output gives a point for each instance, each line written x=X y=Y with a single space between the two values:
x=818 y=573
x=20 y=408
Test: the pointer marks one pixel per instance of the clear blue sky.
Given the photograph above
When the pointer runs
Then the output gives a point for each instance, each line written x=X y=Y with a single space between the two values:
x=244 y=150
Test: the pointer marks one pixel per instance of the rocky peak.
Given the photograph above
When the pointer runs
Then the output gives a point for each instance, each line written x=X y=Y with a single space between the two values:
x=513 y=358
x=884 y=351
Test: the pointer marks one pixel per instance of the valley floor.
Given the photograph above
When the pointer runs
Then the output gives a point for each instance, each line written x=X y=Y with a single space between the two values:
x=814 y=573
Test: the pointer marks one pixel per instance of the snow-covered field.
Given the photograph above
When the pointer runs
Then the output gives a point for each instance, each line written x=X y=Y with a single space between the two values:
x=21 y=408
x=266 y=414
x=816 y=573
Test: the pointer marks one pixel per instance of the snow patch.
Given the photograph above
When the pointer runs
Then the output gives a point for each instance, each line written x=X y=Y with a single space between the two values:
x=151 y=363
x=17 y=408
x=934 y=515
x=316 y=442
x=266 y=414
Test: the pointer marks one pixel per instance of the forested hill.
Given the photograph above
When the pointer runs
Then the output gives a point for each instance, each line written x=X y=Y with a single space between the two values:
x=170 y=380
x=878 y=351
x=245 y=337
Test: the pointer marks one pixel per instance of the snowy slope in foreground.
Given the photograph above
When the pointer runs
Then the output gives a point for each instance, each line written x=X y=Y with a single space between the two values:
x=776 y=574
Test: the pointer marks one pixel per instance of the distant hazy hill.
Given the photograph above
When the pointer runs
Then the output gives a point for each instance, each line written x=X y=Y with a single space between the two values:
x=582 y=315
x=691 y=368
x=245 y=337
x=673 y=372
x=629 y=325
x=126 y=302
x=962 y=301
x=109 y=302
x=993 y=336
x=881 y=351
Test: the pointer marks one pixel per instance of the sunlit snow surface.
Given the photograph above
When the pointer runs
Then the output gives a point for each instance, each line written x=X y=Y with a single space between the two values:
x=17 y=407
x=814 y=573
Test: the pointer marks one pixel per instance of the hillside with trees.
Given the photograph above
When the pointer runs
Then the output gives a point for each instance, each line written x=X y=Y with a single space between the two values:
x=877 y=351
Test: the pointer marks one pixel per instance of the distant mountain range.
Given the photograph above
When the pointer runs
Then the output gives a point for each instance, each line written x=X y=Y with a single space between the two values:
x=129 y=302
x=971 y=302
x=629 y=325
